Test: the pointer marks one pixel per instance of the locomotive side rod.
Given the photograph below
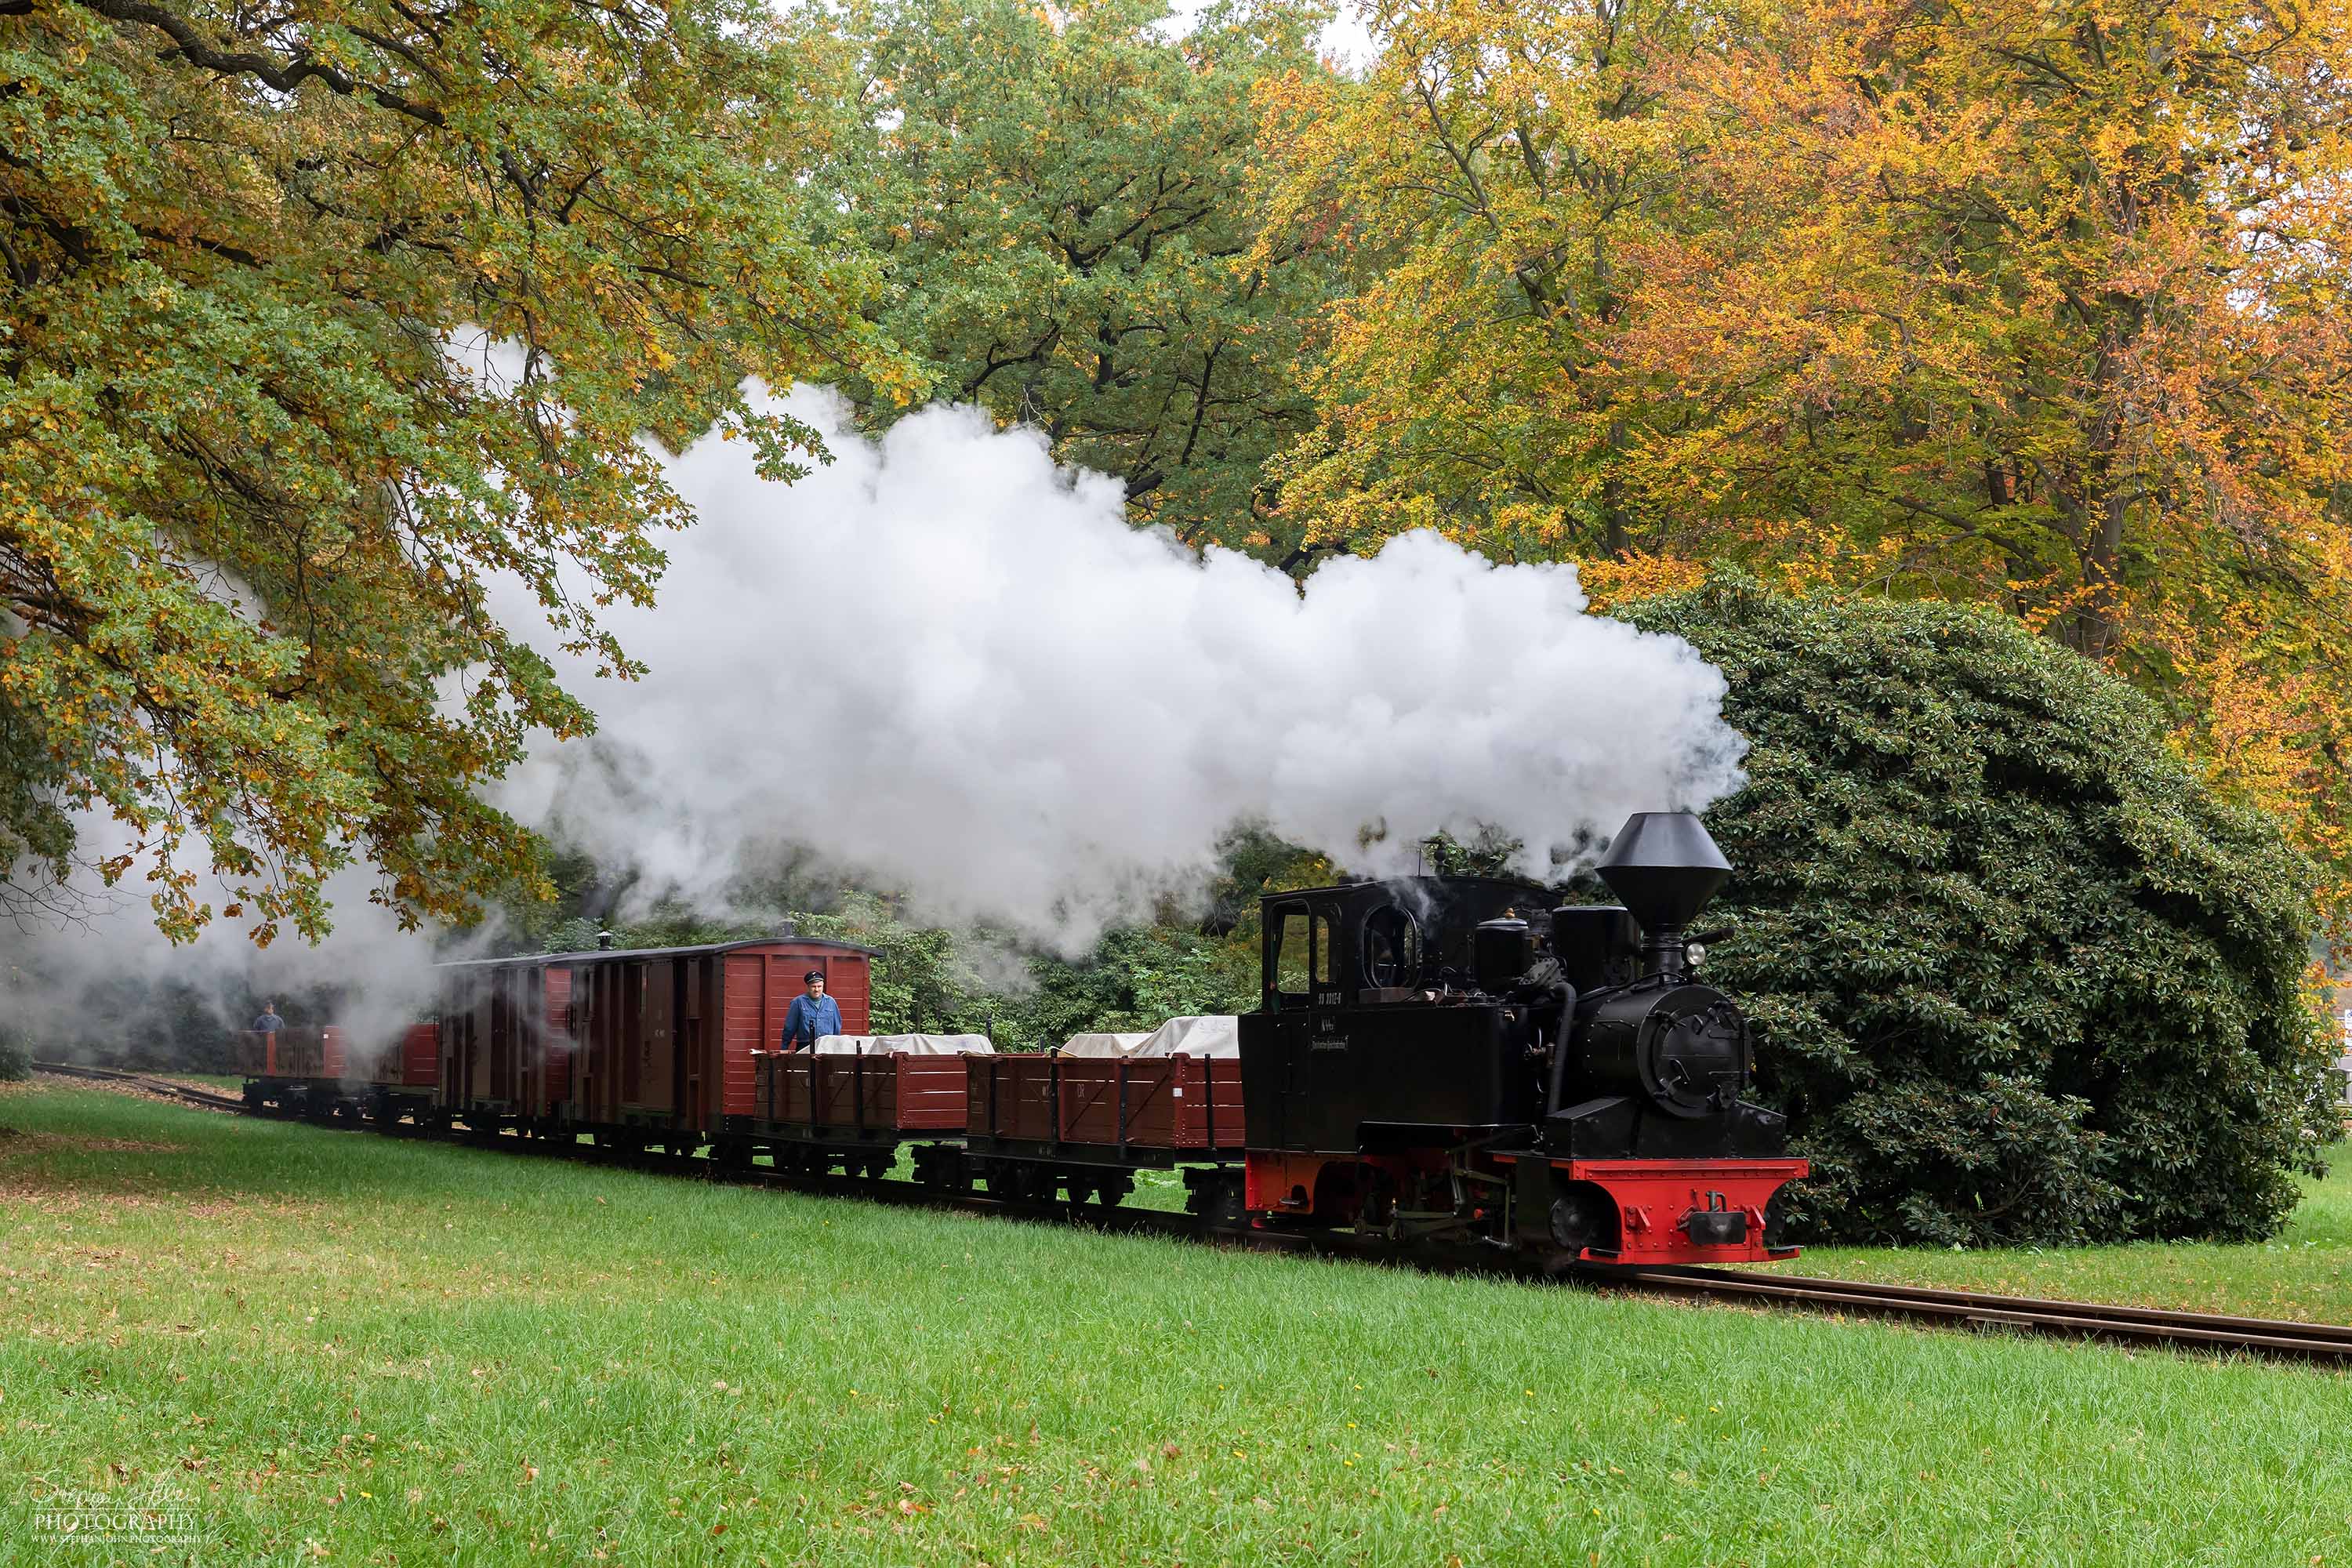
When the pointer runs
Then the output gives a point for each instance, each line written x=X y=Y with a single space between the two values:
x=2269 y=1337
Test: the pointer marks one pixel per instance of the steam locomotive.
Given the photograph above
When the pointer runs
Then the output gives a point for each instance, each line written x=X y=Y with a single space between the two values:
x=1430 y=1063
x=1438 y=1062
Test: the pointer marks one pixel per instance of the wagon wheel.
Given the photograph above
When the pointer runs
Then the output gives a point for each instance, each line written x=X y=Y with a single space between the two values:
x=1217 y=1202
x=1113 y=1190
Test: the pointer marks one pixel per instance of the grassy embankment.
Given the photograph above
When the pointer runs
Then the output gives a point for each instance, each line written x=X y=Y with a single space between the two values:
x=380 y=1349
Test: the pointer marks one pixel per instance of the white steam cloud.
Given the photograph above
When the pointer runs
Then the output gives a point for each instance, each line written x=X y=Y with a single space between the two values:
x=944 y=663
x=85 y=978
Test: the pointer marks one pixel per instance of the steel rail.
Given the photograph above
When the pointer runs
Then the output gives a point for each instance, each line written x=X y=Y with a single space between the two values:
x=207 y=1098
x=2103 y=1322
x=2082 y=1320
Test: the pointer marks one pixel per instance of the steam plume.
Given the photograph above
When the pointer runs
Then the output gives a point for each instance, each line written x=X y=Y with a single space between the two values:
x=944 y=663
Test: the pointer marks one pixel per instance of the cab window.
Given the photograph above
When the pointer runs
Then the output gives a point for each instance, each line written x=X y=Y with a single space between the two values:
x=1322 y=951
x=1291 y=958
x=1391 y=948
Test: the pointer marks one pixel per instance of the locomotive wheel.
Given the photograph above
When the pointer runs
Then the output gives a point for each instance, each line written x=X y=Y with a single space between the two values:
x=1583 y=1217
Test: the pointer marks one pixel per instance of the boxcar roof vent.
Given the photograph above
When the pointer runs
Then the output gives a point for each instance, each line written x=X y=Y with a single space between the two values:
x=1664 y=867
x=604 y=940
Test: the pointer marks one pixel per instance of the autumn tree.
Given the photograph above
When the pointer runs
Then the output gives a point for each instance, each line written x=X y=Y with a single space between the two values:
x=1059 y=197
x=1485 y=181
x=316 y=319
x=2045 y=307
x=2038 y=305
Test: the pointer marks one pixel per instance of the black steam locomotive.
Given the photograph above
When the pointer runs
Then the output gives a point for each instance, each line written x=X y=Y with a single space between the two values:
x=1443 y=1059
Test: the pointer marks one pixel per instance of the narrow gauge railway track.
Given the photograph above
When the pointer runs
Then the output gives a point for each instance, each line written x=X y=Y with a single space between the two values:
x=2268 y=1337
x=2274 y=1337
x=186 y=1093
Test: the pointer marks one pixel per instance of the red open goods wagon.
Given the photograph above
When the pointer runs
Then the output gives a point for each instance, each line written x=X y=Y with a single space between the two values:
x=289 y=1054
x=816 y=1110
x=1036 y=1123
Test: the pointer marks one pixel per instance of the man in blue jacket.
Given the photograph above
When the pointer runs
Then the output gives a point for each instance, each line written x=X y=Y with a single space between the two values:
x=811 y=1015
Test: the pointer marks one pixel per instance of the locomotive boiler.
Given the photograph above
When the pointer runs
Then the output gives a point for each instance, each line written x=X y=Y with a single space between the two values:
x=1449 y=1061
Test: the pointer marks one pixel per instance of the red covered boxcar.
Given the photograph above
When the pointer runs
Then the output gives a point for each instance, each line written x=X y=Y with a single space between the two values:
x=504 y=1051
x=406 y=1080
x=649 y=1047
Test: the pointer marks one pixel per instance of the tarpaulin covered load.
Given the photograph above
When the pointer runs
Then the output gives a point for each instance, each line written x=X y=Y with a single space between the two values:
x=1103 y=1045
x=1195 y=1035
x=911 y=1045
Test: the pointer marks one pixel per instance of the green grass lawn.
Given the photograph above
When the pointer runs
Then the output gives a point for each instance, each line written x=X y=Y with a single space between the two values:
x=371 y=1350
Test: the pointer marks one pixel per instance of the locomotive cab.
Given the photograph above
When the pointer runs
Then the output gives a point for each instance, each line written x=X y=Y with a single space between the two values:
x=1450 y=1054
x=1371 y=1029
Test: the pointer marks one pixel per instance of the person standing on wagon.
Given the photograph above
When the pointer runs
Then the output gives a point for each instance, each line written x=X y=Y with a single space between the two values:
x=267 y=1027
x=811 y=1015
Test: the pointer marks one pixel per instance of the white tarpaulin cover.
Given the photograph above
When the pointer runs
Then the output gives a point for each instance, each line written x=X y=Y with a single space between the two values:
x=913 y=1045
x=1195 y=1035
x=1103 y=1045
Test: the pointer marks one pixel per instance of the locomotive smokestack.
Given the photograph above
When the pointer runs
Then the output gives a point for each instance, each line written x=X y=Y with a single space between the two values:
x=1665 y=867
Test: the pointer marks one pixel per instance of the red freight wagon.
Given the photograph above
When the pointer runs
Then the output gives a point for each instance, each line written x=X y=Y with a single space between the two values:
x=1152 y=1102
x=298 y=1072
x=1038 y=1123
x=413 y=1063
x=1106 y=1103
x=501 y=1039
x=813 y=1111
x=288 y=1053
x=407 y=1077
x=662 y=1037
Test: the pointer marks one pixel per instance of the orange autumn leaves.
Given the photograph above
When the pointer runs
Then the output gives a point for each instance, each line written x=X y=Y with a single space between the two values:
x=2034 y=304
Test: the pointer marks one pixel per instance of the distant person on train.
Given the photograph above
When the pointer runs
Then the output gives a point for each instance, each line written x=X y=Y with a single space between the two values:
x=811 y=1015
x=269 y=1023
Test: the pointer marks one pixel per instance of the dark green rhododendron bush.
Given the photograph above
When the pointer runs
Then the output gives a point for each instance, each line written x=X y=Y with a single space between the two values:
x=2017 y=975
